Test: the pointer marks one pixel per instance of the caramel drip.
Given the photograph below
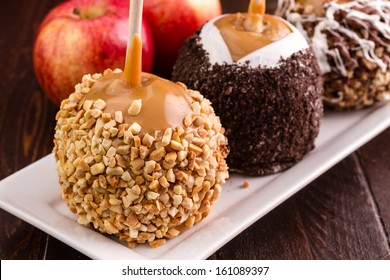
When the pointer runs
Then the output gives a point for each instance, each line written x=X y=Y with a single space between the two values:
x=242 y=42
x=133 y=63
x=164 y=103
x=256 y=7
x=254 y=18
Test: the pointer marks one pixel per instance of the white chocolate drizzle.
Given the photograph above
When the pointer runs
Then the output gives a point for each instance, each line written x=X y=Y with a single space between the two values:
x=379 y=20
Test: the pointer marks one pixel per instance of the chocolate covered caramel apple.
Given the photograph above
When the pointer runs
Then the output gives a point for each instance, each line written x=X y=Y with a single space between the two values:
x=351 y=41
x=138 y=156
x=263 y=81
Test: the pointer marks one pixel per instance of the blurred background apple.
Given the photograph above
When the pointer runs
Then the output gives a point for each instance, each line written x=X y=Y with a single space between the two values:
x=83 y=36
x=172 y=22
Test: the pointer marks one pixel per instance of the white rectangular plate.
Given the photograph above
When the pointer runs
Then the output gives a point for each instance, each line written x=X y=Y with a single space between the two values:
x=33 y=194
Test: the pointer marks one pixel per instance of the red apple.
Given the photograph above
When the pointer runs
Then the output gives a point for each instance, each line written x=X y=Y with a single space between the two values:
x=79 y=37
x=172 y=22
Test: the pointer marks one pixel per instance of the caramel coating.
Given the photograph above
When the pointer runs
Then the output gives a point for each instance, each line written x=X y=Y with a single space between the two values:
x=164 y=104
x=242 y=39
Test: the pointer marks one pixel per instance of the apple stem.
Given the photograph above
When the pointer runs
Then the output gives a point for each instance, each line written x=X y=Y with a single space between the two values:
x=76 y=11
x=256 y=7
x=133 y=63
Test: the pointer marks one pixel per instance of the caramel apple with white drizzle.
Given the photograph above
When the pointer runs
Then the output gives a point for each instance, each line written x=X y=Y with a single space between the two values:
x=351 y=42
x=263 y=81
x=138 y=156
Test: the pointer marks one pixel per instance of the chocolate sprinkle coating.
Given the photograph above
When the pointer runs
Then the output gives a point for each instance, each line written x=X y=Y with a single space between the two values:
x=271 y=115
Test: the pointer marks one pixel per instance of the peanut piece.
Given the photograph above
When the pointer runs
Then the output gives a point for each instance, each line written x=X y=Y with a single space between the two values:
x=135 y=107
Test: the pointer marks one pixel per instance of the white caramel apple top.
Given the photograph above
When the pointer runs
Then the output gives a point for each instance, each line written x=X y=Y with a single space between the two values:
x=278 y=39
x=160 y=103
x=245 y=33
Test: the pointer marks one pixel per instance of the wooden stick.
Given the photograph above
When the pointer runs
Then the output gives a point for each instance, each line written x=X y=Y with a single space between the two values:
x=256 y=7
x=256 y=11
x=133 y=63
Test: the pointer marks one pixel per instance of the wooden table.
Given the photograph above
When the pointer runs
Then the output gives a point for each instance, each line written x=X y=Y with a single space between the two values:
x=344 y=214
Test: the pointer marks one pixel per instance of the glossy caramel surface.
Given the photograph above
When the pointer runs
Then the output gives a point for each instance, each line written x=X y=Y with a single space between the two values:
x=164 y=103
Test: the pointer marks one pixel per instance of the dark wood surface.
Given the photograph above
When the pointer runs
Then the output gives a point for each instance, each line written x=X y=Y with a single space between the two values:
x=344 y=214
